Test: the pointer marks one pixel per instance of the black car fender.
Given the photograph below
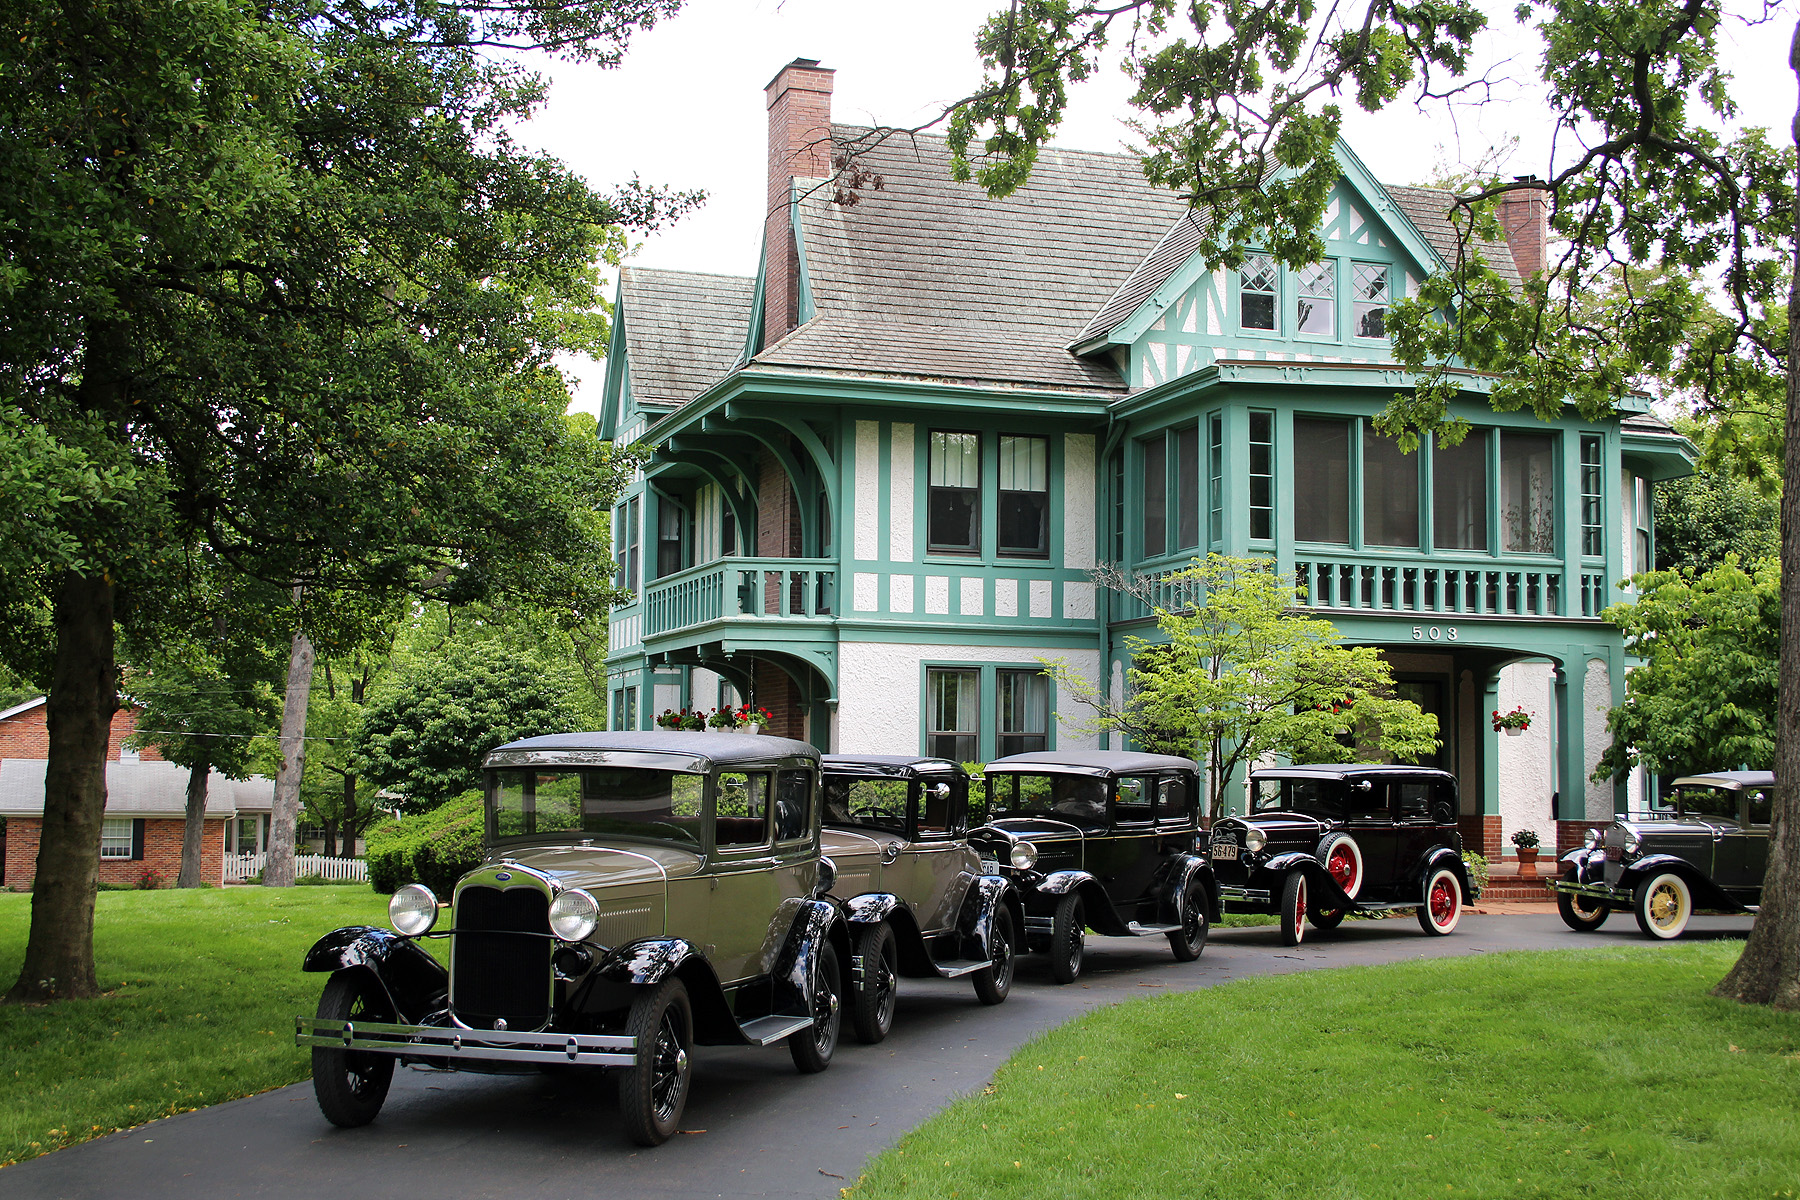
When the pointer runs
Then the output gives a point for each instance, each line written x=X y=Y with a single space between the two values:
x=1325 y=890
x=987 y=895
x=817 y=923
x=416 y=982
x=648 y=962
x=1098 y=905
x=1444 y=858
x=1588 y=866
x=1186 y=869
x=871 y=908
x=1706 y=893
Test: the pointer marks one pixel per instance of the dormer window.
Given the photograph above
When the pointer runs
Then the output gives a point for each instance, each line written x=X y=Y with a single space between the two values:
x=1369 y=287
x=1256 y=292
x=1317 y=307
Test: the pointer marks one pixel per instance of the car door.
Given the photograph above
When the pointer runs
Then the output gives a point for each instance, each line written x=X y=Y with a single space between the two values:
x=940 y=862
x=1368 y=817
x=744 y=889
x=1741 y=850
x=1126 y=858
x=1416 y=831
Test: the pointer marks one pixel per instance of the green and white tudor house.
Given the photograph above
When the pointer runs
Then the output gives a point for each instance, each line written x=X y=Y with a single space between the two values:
x=882 y=470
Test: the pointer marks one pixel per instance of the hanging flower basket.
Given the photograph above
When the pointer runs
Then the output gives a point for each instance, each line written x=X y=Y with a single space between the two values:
x=1511 y=723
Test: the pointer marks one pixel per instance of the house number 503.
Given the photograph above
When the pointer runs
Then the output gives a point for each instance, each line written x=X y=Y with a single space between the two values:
x=1434 y=633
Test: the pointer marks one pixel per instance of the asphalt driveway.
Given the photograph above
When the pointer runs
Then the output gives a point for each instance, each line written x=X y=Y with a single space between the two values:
x=753 y=1126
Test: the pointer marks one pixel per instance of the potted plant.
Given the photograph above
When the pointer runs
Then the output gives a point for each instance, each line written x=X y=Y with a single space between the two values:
x=1526 y=841
x=684 y=719
x=722 y=720
x=1512 y=723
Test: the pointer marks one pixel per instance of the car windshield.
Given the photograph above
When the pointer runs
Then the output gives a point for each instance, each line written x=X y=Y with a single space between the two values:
x=867 y=803
x=1707 y=802
x=1077 y=799
x=634 y=802
x=1317 y=797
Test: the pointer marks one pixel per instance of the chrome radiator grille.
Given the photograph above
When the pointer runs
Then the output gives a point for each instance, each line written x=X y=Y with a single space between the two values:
x=495 y=973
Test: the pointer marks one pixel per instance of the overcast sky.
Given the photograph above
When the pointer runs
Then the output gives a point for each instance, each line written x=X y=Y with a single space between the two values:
x=686 y=108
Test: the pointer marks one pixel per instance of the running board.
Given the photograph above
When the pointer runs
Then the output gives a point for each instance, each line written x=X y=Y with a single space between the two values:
x=956 y=969
x=764 y=1031
x=1145 y=930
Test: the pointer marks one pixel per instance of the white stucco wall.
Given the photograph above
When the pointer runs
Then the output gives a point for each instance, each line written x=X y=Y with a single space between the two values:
x=881 y=691
x=1597 y=698
x=1527 y=775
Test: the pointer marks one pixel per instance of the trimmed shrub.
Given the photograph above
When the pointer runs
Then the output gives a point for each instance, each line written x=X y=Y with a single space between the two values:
x=435 y=848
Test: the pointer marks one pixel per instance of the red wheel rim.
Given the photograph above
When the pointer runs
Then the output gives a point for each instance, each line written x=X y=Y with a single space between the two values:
x=1342 y=865
x=1443 y=901
x=1300 y=904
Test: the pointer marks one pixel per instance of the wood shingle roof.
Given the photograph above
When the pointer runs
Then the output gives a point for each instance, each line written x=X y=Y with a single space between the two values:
x=684 y=331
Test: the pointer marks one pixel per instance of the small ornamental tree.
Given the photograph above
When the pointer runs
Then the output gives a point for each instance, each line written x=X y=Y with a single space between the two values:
x=425 y=739
x=1244 y=674
x=1704 y=697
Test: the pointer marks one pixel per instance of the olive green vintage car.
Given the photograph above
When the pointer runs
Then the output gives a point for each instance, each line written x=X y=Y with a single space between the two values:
x=643 y=893
x=913 y=893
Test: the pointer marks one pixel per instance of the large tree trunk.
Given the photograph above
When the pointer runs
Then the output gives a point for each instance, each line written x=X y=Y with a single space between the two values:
x=193 y=833
x=59 y=951
x=1768 y=972
x=278 y=865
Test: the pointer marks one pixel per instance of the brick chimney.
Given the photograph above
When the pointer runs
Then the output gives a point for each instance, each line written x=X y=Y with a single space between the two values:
x=799 y=100
x=1525 y=219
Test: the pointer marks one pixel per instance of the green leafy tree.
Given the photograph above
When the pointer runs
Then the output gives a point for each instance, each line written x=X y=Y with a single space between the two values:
x=1244 y=673
x=1648 y=172
x=425 y=740
x=1705 y=694
x=276 y=281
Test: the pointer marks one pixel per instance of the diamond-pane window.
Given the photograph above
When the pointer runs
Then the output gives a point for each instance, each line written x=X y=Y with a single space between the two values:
x=1256 y=292
x=1369 y=286
x=1317 y=306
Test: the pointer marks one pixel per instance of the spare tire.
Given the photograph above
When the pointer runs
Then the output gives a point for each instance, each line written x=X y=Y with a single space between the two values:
x=1343 y=862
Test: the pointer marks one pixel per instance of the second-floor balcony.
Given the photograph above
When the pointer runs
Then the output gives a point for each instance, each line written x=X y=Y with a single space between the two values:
x=730 y=589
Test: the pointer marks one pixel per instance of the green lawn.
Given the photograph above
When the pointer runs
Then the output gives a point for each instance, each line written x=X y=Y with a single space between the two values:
x=1606 y=1073
x=202 y=991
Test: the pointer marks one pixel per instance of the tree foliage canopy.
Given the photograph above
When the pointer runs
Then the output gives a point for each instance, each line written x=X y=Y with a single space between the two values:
x=1242 y=674
x=1703 y=698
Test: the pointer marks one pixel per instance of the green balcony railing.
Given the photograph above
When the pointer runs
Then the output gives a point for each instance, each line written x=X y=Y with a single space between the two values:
x=740 y=587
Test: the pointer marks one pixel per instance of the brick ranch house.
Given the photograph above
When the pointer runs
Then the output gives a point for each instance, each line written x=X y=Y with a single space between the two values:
x=146 y=803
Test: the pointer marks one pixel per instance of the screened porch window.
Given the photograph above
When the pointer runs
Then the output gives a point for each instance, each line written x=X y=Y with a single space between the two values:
x=954 y=493
x=1156 y=497
x=1459 y=491
x=1322 y=480
x=1025 y=496
x=1528 y=492
x=1390 y=482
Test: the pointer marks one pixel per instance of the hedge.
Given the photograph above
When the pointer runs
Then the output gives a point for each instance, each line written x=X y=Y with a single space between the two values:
x=435 y=848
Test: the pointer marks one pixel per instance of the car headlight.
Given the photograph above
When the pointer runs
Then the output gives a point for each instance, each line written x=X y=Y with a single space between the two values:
x=1024 y=856
x=1593 y=840
x=413 y=910
x=1255 y=840
x=1631 y=841
x=573 y=915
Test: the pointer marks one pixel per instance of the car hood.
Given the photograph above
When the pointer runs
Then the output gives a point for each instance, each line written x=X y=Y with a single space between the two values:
x=1282 y=829
x=1031 y=829
x=594 y=868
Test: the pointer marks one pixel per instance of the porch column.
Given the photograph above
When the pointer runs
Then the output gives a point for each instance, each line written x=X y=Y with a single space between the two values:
x=1490 y=770
x=1570 y=678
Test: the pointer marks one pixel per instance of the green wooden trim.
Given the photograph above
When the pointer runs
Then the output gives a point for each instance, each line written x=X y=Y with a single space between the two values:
x=753 y=330
x=825 y=465
x=1363 y=180
x=613 y=397
x=799 y=479
x=1129 y=331
x=803 y=309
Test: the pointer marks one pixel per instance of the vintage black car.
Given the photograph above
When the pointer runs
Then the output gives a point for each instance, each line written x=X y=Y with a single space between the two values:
x=1709 y=850
x=1321 y=842
x=913 y=895
x=643 y=893
x=1101 y=840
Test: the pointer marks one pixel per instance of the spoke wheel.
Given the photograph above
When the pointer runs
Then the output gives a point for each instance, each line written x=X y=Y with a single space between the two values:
x=812 y=1047
x=1663 y=905
x=1067 y=940
x=1293 y=909
x=1344 y=861
x=1188 y=941
x=352 y=1085
x=877 y=976
x=994 y=981
x=1325 y=918
x=653 y=1091
x=1443 y=903
x=1579 y=912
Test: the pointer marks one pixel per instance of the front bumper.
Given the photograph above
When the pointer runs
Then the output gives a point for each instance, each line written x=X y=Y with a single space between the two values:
x=1605 y=892
x=1244 y=895
x=450 y=1046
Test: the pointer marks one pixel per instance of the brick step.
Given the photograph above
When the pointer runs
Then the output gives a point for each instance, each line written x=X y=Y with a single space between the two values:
x=1511 y=887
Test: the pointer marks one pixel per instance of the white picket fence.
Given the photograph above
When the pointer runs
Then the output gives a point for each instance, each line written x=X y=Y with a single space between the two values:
x=239 y=867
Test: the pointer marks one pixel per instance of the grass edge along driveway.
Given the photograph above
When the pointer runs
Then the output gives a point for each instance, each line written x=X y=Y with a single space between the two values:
x=1605 y=1072
x=202 y=990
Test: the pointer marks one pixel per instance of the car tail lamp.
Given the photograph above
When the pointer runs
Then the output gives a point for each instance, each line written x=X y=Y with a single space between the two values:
x=413 y=910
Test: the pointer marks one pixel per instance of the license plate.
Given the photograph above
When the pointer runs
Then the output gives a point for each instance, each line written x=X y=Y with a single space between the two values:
x=990 y=866
x=1225 y=852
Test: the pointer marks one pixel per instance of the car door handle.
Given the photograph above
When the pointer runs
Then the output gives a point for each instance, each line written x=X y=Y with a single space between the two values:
x=890 y=852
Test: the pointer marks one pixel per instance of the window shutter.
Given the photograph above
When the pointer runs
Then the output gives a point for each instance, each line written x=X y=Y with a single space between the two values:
x=137 y=839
